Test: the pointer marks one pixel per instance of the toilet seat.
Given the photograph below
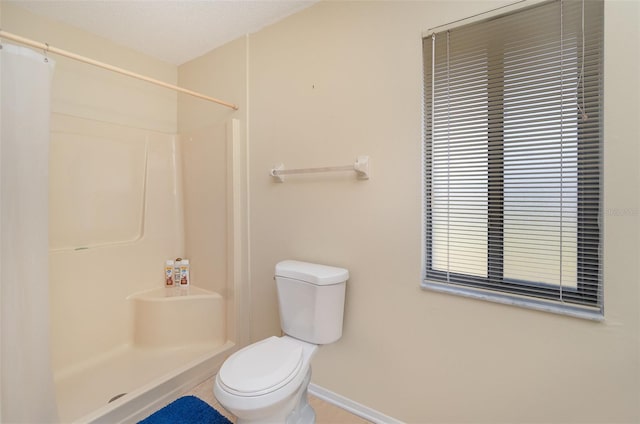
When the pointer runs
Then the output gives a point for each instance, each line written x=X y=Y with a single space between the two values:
x=262 y=367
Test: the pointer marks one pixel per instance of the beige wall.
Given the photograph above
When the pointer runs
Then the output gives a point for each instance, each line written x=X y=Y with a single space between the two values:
x=215 y=176
x=203 y=132
x=88 y=92
x=344 y=78
x=221 y=74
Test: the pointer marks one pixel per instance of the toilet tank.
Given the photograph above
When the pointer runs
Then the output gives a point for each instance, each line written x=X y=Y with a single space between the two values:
x=311 y=300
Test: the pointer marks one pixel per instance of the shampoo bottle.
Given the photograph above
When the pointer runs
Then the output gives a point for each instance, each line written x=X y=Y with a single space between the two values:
x=184 y=273
x=176 y=272
x=168 y=273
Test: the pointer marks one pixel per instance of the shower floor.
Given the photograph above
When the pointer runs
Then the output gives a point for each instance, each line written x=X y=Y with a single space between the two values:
x=89 y=387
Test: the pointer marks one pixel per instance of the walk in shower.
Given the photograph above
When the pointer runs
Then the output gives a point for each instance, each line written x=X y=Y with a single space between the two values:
x=122 y=201
x=119 y=206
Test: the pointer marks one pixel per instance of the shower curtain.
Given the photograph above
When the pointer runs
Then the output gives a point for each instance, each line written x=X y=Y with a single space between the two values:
x=26 y=389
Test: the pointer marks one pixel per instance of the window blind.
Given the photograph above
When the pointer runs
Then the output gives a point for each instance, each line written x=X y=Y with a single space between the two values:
x=513 y=157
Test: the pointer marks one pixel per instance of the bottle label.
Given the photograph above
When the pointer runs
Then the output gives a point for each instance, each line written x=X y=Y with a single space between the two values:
x=168 y=276
x=176 y=275
x=184 y=276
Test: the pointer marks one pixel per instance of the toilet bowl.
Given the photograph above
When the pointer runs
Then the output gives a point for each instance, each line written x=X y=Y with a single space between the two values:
x=267 y=381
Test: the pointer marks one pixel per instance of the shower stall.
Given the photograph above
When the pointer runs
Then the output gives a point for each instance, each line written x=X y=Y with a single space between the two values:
x=91 y=210
x=122 y=200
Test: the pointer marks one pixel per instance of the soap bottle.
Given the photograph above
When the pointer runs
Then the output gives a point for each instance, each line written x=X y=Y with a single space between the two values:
x=168 y=273
x=184 y=273
x=176 y=272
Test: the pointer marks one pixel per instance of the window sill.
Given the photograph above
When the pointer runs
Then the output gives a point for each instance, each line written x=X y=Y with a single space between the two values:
x=513 y=300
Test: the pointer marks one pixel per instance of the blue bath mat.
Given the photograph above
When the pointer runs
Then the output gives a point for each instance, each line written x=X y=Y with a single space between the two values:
x=186 y=410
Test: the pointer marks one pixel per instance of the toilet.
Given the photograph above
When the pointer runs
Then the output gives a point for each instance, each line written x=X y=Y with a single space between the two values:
x=266 y=382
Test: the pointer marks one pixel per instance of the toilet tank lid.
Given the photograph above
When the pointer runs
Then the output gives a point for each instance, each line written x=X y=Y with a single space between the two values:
x=321 y=275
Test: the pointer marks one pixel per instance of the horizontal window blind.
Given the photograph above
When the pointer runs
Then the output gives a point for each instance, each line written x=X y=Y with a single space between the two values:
x=513 y=157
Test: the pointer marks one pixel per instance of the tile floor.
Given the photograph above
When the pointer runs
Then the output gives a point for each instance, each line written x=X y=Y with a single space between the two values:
x=326 y=413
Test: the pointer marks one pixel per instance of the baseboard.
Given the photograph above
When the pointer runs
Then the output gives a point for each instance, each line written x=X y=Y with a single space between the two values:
x=355 y=408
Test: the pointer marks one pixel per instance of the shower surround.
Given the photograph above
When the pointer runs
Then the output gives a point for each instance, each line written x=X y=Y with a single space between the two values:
x=121 y=203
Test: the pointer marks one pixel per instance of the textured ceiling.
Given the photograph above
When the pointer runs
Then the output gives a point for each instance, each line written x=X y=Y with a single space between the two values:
x=174 y=31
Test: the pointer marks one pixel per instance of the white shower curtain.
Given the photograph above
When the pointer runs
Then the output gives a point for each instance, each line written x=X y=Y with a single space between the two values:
x=27 y=389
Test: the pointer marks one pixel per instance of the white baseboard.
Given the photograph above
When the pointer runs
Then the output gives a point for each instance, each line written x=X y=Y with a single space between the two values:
x=355 y=408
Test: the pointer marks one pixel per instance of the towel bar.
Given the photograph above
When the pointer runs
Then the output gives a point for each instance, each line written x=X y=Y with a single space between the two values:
x=361 y=167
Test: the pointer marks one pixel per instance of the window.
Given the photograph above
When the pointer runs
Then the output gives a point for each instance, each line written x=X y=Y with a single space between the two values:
x=513 y=158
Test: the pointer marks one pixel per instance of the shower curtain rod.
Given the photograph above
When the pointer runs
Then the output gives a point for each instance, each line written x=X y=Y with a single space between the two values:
x=50 y=49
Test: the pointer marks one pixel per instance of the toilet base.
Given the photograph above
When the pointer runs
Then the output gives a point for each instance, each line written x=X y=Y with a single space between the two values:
x=308 y=415
x=302 y=413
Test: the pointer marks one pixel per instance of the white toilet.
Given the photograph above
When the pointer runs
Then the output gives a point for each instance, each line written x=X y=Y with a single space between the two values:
x=266 y=382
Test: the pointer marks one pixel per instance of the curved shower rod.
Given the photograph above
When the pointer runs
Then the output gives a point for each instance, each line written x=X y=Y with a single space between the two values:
x=50 y=49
